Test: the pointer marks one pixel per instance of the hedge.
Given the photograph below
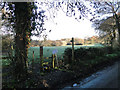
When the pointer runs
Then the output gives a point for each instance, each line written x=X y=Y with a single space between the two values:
x=82 y=54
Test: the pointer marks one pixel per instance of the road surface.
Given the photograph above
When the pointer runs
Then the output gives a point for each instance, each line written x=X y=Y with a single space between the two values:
x=107 y=78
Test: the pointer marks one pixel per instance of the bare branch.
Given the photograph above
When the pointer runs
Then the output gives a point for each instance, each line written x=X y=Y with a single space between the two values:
x=117 y=8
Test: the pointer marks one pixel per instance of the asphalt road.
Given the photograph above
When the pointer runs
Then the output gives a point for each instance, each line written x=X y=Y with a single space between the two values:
x=108 y=78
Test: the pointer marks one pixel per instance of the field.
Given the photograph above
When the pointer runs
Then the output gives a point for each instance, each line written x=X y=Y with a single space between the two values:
x=47 y=51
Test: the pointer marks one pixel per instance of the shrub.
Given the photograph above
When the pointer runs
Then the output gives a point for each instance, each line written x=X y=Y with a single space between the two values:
x=109 y=50
x=68 y=55
x=82 y=54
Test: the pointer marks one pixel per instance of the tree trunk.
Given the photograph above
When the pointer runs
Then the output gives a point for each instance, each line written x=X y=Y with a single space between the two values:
x=21 y=29
x=113 y=36
x=118 y=27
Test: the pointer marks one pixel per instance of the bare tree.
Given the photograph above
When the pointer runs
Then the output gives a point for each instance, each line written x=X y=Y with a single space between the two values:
x=107 y=26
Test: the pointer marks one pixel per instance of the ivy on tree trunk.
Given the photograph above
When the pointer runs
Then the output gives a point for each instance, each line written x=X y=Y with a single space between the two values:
x=118 y=27
x=22 y=30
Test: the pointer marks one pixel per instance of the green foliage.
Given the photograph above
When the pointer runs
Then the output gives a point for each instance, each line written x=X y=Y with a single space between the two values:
x=83 y=54
x=89 y=59
x=5 y=62
x=7 y=42
x=68 y=50
x=68 y=56
x=80 y=53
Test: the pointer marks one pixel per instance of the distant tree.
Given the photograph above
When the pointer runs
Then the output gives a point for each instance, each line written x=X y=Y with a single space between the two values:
x=7 y=42
x=47 y=43
x=107 y=26
x=108 y=30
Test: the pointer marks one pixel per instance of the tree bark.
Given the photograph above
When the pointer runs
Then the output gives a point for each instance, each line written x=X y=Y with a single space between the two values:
x=118 y=27
x=21 y=28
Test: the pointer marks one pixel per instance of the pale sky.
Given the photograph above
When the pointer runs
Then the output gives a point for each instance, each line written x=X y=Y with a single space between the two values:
x=67 y=27
x=63 y=26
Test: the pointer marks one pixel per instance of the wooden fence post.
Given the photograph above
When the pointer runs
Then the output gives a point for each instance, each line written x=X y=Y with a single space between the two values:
x=72 y=49
x=41 y=57
x=33 y=60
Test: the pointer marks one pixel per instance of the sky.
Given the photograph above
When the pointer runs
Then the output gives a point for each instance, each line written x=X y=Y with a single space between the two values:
x=63 y=26
x=67 y=27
